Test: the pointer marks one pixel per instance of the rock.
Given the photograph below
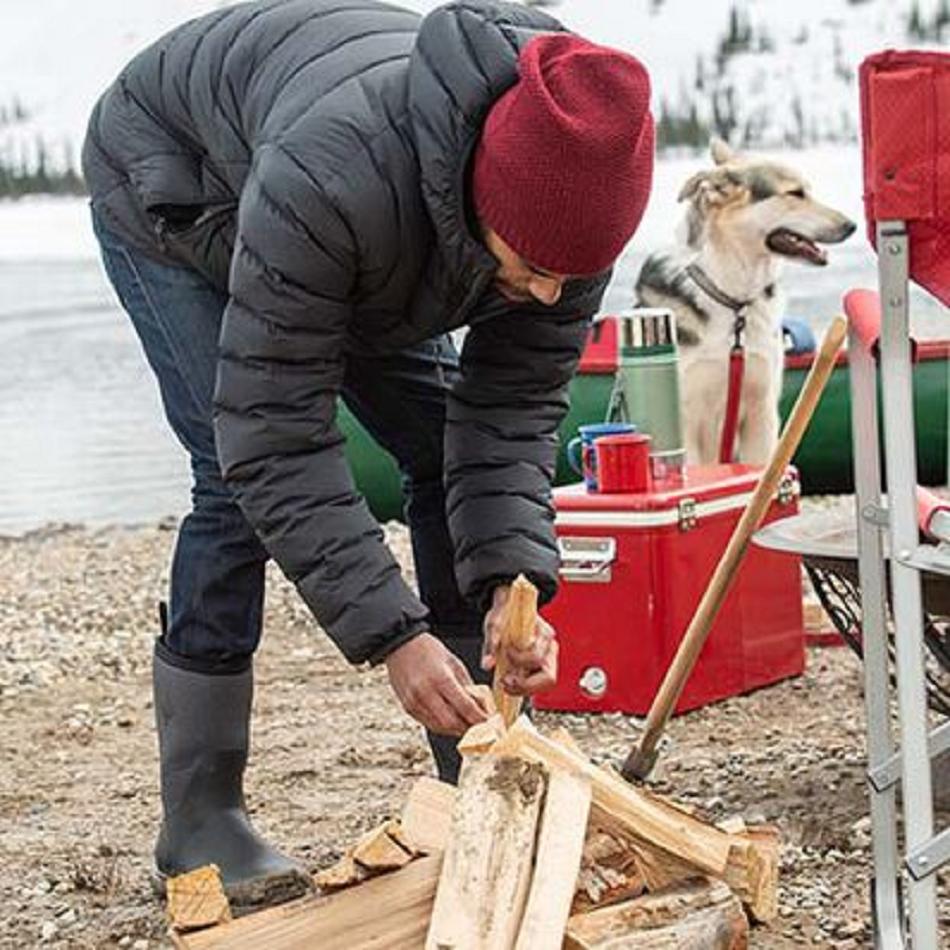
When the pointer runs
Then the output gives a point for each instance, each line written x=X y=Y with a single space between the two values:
x=48 y=931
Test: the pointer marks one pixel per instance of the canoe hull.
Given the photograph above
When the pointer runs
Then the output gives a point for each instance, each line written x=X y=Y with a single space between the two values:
x=824 y=458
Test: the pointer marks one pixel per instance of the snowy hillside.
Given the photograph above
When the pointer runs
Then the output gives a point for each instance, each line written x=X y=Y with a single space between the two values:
x=768 y=72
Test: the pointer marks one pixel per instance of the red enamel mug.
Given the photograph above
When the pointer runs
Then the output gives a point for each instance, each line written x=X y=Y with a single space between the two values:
x=623 y=462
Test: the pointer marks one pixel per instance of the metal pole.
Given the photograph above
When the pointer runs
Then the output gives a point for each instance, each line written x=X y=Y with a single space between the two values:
x=901 y=470
x=877 y=691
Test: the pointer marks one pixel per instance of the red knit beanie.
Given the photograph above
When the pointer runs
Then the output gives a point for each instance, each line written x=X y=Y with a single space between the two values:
x=565 y=161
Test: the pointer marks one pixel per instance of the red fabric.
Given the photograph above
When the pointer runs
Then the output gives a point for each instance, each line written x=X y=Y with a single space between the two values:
x=730 y=423
x=565 y=162
x=905 y=108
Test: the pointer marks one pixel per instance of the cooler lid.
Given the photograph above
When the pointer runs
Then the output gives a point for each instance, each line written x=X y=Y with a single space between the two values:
x=708 y=489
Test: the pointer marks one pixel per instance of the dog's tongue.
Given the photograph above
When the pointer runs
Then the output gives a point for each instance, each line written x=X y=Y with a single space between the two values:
x=786 y=242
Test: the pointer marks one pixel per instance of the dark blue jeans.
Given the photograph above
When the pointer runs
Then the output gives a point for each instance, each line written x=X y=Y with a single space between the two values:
x=217 y=575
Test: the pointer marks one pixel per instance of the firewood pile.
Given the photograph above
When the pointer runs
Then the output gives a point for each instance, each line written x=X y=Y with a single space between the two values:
x=537 y=848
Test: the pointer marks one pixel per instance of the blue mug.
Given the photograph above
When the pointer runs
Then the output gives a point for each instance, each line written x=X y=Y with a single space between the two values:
x=580 y=450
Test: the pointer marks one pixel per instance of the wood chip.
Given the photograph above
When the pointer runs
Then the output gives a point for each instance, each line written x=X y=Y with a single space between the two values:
x=196 y=900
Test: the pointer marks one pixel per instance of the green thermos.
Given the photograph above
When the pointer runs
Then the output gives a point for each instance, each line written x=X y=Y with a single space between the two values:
x=646 y=390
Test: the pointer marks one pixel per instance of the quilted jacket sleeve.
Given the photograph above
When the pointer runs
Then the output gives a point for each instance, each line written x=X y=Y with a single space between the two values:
x=281 y=368
x=502 y=442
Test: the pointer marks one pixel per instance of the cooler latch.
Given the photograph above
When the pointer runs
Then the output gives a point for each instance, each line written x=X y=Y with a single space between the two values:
x=788 y=490
x=587 y=560
x=687 y=514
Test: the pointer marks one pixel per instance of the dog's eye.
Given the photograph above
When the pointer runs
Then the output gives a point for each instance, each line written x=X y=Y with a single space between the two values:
x=796 y=193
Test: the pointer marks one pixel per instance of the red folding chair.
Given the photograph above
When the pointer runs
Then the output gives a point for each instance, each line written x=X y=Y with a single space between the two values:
x=905 y=107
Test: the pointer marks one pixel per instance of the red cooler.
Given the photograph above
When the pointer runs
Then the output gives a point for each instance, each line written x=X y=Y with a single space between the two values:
x=634 y=567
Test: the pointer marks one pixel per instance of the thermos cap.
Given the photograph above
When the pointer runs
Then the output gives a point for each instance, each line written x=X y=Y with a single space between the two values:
x=652 y=329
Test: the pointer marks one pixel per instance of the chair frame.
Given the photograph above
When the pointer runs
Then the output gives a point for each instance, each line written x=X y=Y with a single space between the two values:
x=904 y=900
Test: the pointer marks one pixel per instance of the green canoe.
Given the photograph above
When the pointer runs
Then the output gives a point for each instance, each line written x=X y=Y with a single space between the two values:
x=823 y=459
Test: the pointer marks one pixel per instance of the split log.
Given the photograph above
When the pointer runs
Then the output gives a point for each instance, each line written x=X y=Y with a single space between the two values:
x=608 y=867
x=390 y=912
x=698 y=913
x=345 y=873
x=382 y=849
x=610 y=872
x=752 y=871
x=519 y=618
x=481 y=737
x=488 y=858
x=427 y=814
x=750 y=866
x=561 y=834
x=385 y=848
x=616 y=804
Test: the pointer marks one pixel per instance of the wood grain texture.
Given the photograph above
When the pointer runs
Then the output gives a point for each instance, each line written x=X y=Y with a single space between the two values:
x=427 y=814
x=561 y=834
x=488 y=858
x=390 y=912
x=518 y=629
x=697 y=915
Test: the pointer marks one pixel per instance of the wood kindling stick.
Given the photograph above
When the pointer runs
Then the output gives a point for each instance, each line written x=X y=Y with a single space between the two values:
x=519 y=620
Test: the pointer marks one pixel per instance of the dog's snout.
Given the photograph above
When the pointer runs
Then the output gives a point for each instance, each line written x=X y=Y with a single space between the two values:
x=843 y=229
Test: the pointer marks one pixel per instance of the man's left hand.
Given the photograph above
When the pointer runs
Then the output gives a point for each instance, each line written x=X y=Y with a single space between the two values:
x=528 y=671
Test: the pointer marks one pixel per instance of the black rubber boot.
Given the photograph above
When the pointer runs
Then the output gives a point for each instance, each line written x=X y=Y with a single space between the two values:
x=444 y=748
x=203 y=724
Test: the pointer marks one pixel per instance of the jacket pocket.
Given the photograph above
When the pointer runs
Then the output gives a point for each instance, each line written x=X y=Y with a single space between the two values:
x=199 y=236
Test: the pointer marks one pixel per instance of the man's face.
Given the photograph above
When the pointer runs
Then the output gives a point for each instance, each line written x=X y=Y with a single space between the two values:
x=519 y=281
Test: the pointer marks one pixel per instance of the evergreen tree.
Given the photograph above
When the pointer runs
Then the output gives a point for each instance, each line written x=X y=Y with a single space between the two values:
x=699 y=83
x=915 y=24
x=724 y=112
x=941 y=20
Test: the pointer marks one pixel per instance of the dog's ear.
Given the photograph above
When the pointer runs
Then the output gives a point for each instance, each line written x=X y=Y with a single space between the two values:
x=720 y=151
x=715 y=188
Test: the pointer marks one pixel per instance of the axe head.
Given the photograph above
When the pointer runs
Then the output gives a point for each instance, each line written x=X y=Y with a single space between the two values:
x=639 y=765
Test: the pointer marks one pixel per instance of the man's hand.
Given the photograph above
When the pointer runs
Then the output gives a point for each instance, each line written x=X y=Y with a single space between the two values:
x=431 y=684
x=529 y=671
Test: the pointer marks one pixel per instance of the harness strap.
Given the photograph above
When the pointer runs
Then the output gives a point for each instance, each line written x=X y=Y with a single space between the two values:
x=730 y=422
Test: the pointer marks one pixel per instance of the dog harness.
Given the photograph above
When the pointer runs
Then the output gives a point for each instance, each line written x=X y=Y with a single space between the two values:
x=730 y=422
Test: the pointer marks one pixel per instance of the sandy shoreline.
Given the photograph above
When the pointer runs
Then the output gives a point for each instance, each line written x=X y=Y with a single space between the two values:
x=332 y=754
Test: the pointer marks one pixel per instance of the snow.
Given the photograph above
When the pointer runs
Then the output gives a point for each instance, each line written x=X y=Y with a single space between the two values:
x=46 y=229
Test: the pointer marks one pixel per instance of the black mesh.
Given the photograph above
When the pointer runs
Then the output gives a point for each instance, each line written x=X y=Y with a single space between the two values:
x=836 y=583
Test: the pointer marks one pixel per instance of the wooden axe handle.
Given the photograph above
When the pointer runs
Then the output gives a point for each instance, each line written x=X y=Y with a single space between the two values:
x=640 y=761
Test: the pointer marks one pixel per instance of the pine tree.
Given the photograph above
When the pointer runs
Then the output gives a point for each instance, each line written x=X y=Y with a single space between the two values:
x=724 y=112
x=941 y=20
x=915 y=23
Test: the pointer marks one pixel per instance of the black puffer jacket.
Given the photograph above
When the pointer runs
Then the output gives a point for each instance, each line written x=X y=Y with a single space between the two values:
x=321 y=148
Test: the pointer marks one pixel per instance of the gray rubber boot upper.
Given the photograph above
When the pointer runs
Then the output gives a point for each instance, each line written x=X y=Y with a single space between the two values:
x=203 y=726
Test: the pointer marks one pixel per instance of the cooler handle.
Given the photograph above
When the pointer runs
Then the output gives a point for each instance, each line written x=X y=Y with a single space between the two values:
x=586 y=560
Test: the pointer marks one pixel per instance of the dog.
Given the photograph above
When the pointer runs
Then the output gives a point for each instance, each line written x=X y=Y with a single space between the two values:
x=745 y=217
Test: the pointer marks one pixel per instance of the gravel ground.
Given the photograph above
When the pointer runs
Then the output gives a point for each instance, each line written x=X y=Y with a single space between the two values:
x=332 y=753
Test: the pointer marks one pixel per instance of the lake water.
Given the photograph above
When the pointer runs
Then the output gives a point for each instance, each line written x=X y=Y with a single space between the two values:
x=82 y=437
